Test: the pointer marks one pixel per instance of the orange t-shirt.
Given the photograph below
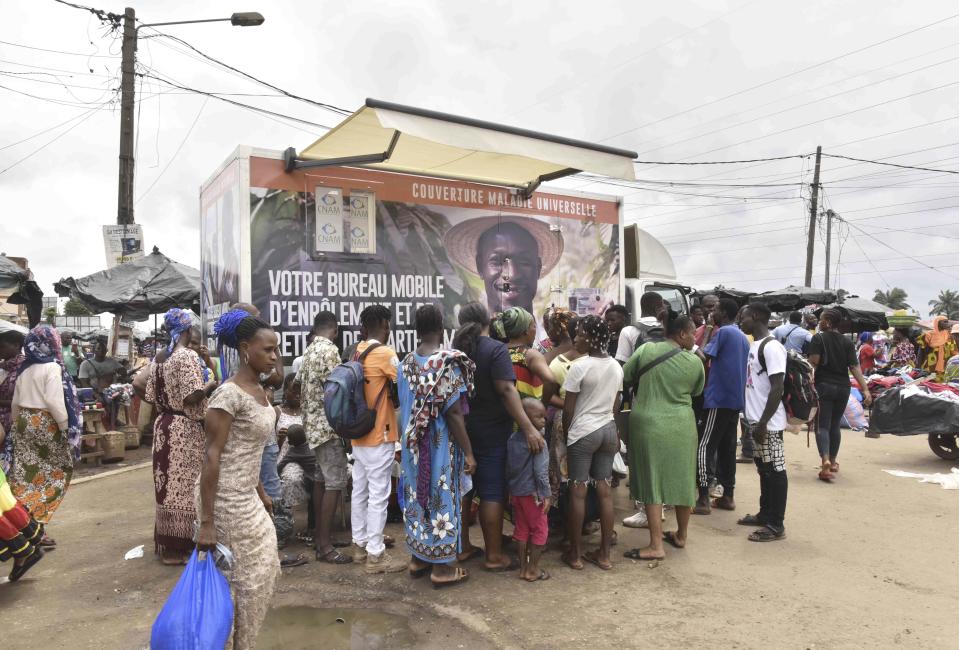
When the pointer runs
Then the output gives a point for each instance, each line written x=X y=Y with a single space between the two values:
x=378 y=368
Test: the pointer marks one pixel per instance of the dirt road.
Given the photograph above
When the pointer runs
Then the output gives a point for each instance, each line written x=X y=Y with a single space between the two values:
x=870 y=561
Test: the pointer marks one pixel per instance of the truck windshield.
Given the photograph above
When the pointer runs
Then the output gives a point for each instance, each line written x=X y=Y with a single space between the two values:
x=673 y=295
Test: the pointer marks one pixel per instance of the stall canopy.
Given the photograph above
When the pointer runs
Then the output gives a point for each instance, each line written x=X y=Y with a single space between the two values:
x=397 y=138
x=862 y=315
x=25 y=289
x=133 y=291
x=792 y=298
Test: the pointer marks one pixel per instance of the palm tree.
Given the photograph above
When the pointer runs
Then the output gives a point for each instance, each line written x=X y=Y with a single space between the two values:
x=946 y=304
x=895 y=298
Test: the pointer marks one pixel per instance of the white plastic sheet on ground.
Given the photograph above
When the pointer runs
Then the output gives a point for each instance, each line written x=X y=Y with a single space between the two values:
x=134 y=553
x=948 y=481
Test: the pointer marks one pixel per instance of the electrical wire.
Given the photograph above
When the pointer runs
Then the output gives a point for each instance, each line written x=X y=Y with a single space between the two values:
x=786 y=76
x=877 y=162
x=88 y=115
x=173 y=157
x=42 y=49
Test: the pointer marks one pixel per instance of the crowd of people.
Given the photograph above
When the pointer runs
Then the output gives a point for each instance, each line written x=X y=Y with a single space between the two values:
x=502 y=426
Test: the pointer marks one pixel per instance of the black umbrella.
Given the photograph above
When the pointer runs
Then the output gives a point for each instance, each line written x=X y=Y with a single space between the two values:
x=26 y=290
x=148 y=285
x=792 y=298
x=861 y=315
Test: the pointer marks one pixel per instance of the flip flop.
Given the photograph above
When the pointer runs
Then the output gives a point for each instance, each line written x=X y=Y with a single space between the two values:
x=635 y=554
x=48 y=543
x=287 y=561
x=474 y=553
x=766 y=535
x=543 y=575
x=719 y=504
x=19 y=571
x=568 y=561
x=670 y=538
x=593 y=558
x=512 y=566
x=462 y=575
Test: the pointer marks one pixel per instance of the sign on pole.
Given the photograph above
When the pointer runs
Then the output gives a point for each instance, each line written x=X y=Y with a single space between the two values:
x=122 y=243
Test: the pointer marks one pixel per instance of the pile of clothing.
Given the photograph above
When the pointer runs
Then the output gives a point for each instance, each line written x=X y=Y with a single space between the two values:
x=918 y=408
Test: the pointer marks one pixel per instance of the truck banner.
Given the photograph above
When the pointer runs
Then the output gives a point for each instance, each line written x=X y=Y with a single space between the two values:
x=219 y=247
x=415 y=240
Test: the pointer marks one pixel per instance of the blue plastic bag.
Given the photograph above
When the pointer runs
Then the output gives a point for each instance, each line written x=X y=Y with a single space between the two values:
x=198 y=615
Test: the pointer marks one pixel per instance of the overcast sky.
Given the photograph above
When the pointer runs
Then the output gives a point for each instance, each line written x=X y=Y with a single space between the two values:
x=680 y=81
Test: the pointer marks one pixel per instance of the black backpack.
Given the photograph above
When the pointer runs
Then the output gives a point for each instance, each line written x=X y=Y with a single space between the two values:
x=799 y=391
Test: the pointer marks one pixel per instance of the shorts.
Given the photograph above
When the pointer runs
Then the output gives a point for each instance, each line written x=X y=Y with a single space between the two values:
x=770 y=452
x=529 y=521
x=489 y=479
x=591 y=457
x=331 y=467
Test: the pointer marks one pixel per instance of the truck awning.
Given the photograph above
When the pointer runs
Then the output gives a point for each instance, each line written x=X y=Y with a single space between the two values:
x=393 y=137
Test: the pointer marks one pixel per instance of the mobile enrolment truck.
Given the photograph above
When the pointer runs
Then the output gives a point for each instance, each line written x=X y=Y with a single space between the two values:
x=295 y=239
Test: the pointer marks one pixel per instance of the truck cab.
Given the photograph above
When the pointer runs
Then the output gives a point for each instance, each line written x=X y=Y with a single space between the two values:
x=648 y=266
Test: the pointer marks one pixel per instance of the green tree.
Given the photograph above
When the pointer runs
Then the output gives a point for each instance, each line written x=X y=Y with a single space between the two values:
x=74 y=307
x=946 y=304
x=50 y=315
x=895 y=298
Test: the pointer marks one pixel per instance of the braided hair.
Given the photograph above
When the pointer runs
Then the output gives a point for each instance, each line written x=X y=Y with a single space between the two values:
x=237 y=326
x=596 y=332
x=473 y=317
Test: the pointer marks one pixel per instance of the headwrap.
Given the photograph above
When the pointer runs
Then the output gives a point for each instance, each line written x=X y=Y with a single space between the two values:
x=42 y=345
x=225 y=327
x=557 y=319
x=936 y=340
x=177 y=321
x=511 y=323
x=864 y=337
x=595 y=330
x=433 y=386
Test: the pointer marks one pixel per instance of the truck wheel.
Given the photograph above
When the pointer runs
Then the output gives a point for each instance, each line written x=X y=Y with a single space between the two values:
x=945 y=445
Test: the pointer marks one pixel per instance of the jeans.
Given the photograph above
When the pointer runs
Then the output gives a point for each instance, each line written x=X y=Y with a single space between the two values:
x=372 y=470
x=719 y=437
x=832 y=404
x=268 y=474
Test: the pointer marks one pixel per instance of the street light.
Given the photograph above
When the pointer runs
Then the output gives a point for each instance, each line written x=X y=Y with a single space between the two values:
x=130 y=32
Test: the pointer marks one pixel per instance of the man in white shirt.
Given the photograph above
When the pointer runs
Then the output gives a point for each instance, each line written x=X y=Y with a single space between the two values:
x=766 y=418
x=648 y=328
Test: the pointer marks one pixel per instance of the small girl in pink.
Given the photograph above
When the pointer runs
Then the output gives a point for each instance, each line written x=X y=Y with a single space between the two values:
x=528 y=479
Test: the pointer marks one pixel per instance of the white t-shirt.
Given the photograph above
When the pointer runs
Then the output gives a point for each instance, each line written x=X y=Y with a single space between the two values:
x=597 y=381
x=757 y=382
x=628 y=337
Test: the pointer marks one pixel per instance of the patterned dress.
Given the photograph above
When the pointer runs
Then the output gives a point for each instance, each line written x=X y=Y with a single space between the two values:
x=242 y=522
x=178 y=448
x=7 y=384
x=432 y=462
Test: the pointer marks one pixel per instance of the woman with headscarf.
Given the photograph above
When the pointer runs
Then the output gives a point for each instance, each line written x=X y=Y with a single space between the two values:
x=11 y=356
x=938 y=348
x=436 y=450
x=47 y=427
x=233 y=508
x=592 y=388
x=178 y=387
x=516 y=327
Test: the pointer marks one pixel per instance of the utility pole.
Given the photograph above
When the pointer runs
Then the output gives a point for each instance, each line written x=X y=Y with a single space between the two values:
x=127 y=85
x=813 y=208
x=829 y=215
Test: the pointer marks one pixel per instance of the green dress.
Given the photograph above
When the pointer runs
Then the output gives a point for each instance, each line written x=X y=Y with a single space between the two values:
x=662 y=426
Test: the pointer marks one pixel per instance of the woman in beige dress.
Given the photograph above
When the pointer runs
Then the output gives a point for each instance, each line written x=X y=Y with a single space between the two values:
x=234 y=510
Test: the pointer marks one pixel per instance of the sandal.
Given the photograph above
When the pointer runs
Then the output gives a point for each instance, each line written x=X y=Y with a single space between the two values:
x=766 y=535
x=636 y=554
x=826 y=476
x=834 y=467
x=722 y=503
x=543 y=575
x=18 y=571
x=512 y=566
x=48 y=543
x=751 y=520
x=593 y=558
x=574 y=564
x=305 y=538
x=287 y=561
x=670 y=538
x=333 y=557
x=461 y=575
x=472 y=554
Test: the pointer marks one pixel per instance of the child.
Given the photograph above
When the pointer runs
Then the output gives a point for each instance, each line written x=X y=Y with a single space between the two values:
x=19 y=533
x=528 y=478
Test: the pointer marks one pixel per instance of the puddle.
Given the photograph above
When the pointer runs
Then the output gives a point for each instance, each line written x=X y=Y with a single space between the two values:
x=290 y=628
